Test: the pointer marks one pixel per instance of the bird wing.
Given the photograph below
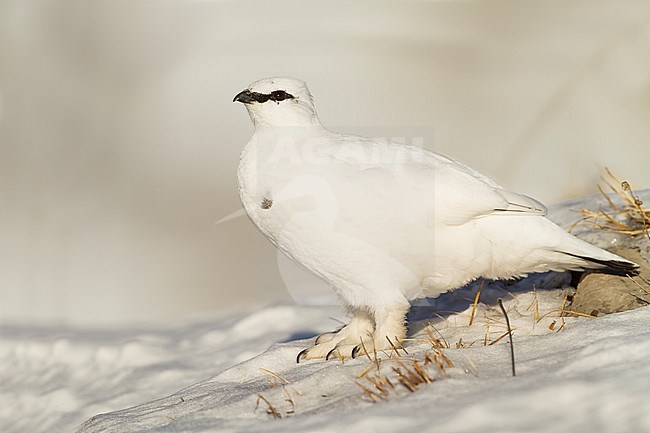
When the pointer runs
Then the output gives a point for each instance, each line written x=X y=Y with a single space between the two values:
x=462 y=194
x=454 y=194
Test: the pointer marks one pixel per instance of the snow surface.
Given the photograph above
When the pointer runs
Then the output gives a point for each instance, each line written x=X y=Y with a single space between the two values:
x=584 y=374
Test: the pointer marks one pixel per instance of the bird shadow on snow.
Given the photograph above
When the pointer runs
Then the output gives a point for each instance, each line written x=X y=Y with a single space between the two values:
x=430 y=310
x=300 y=335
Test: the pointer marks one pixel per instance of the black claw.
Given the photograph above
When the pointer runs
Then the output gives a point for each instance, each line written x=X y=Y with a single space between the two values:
x=321 y=336
x=330 y=354
x=336 y=331
x=301 y=355
x=356 y=351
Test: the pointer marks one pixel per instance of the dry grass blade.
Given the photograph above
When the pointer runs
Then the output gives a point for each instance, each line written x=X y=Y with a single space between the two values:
x=377 y=387
x=478 y=294
x=562 y=312
x=609 y=200
x=501 y=337
x=439 y=360
x=512 y=348
x=365 y=350
x=644 y=214
x=646 y=281
x=461 y=345
x=435 y=342
x=639 y=285
x=275 y=375
x=423 y=374
x=290 y=401
x=472 y=364
x=368 y=393
x=411 y=373
x=487 y=332
x=534 y=302
x=376 y=358
x=393 y=347
x=630 y=218
x=271 y=409
x=446 y=359
x=366 y=370
x=641 y=300
x=405 y=379
x=286 y=389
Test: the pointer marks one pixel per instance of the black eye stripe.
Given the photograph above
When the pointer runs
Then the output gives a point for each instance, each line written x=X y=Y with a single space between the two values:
x=280 y=95
x=276 y=96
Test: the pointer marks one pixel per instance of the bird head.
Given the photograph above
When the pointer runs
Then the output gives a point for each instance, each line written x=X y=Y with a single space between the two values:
x=279 y=101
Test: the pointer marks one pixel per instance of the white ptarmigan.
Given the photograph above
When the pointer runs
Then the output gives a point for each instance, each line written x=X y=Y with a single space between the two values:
x=384 y=222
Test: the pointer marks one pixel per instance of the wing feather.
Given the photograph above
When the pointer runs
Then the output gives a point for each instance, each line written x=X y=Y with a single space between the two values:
x=462 y=194
x=459 y=193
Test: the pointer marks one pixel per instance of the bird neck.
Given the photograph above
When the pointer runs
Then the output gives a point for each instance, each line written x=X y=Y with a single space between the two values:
x=265 y=116
x=296 y=128
x=289 y=133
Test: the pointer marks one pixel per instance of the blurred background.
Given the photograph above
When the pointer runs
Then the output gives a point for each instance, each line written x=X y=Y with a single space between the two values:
x=119 y=142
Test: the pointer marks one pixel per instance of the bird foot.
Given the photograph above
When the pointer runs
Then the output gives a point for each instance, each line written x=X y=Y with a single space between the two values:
x=340 y=343
x=360 y=336
x=336 y=348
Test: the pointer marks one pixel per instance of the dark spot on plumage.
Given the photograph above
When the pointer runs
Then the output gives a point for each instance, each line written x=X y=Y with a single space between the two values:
x=248 y=97
x=266 y=203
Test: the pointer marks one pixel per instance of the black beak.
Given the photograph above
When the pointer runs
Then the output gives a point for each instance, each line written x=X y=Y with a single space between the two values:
x=245 y=97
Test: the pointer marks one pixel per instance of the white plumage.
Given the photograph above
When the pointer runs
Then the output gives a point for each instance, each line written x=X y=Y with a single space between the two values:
x=383 y=222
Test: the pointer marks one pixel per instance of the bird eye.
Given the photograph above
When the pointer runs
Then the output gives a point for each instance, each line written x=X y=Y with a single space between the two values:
x=280 y=95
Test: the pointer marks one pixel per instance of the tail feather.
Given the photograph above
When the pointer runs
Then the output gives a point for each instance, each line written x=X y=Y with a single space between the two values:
x=618 y=266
